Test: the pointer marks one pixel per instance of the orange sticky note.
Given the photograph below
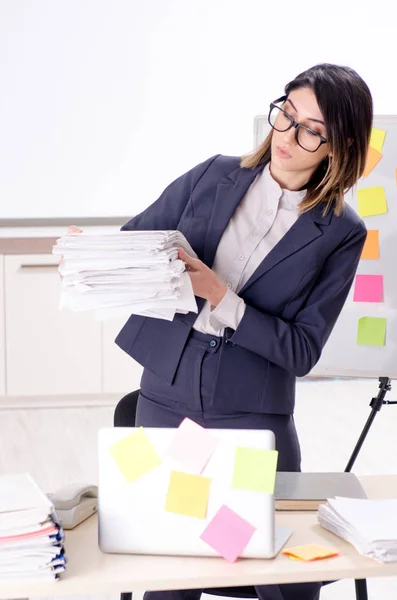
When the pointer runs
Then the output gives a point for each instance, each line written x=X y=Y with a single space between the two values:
x=310 y=552
x=373 y=157
x=371 y=246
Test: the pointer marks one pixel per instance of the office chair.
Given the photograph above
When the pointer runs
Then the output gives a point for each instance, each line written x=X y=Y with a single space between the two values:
x=124 y=416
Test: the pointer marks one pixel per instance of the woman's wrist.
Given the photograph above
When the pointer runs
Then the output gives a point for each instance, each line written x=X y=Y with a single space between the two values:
x=217 y=294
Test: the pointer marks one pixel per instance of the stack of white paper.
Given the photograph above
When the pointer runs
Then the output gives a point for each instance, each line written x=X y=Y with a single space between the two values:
x=31 y=538
x=369 y=525
x=124 y=273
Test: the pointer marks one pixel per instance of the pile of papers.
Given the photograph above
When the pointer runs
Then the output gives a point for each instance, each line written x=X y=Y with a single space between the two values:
x=124 y=273
x=31 y=538
x=369 y=525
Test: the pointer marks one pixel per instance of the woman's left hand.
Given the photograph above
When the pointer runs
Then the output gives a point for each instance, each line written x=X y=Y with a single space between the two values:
x=205 y=282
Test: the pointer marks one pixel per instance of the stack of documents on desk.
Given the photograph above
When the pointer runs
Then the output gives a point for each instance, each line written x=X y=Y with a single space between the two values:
x=369 y=525
x=124 y=273
x=31 y=538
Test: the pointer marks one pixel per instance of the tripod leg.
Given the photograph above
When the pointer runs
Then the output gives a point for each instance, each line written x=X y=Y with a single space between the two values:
x=361 y=589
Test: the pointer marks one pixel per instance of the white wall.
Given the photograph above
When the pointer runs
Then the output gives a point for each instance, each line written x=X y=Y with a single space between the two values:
x=104 y=102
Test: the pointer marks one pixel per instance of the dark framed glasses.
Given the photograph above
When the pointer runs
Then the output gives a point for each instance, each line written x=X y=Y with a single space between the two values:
x=305 y=137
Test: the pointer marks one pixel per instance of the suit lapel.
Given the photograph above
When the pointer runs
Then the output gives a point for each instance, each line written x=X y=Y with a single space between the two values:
x=228 y=196
x=304 y=231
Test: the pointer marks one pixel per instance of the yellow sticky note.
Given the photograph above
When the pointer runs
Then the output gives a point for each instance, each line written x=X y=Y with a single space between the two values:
x=255 y=469
x=371 y=246
x=373 y=157
x=188 y=495
x=371 y=201
x=135 y=455
x=377 y=139
x=310 y=552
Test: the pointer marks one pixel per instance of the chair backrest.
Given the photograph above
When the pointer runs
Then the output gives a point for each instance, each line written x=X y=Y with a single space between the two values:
x=125 y=411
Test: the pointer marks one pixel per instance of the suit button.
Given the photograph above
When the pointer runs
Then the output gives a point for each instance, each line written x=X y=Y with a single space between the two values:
x=213 y=343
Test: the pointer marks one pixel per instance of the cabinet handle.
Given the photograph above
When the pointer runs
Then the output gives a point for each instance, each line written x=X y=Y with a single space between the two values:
x=39 y=266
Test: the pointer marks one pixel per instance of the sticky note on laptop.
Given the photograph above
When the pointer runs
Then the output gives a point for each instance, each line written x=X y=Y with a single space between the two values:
x=310 y=552
x=135 y=455
x=371 y=201
x=188 y=495
x=192 y=446
x=228 y=533
x=255 y=469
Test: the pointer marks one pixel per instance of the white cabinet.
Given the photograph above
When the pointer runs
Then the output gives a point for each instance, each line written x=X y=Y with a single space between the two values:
x=48 y=352
x=121 y=374
x=2 y=331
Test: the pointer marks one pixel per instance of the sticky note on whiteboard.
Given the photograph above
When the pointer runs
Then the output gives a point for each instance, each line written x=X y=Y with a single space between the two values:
x=371 y=246
x=371 y=201
x=368 y=288
x=373 y=157
x=371 y=331
x=377 y=139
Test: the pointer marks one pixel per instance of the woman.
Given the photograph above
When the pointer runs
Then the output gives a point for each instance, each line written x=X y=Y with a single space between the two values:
x=277 y=253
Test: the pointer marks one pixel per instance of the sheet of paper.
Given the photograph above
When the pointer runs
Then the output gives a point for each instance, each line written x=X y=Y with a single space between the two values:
x=135 y=455
x=371 y=201
x=377 y=139
x=373 y=157
x=371 y=246
x=228 y=533
x=255 y=469
x=310 y=552
x=192 y=446
x=368 y=288
x=188 y=495
x=19 y=492
x=371 y=331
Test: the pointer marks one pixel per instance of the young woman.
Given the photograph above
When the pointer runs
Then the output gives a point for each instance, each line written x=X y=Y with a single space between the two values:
x=277 y=253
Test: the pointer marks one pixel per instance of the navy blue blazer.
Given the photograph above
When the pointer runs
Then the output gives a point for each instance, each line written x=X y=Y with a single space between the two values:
x=293 y=299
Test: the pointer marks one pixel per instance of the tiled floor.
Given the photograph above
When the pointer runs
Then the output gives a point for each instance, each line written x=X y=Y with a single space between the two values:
x=59 y=445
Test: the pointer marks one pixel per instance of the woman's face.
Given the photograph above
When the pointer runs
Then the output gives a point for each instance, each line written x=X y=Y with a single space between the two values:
x=286 y=154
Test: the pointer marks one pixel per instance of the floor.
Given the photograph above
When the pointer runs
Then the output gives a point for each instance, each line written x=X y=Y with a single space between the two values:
x=58 y=445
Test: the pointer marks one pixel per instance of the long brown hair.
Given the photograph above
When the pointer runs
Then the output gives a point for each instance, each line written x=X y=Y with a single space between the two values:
x=346 y=104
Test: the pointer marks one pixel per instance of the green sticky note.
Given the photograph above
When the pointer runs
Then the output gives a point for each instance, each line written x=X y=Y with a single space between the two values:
x=135 y=455
x=371 y=331
x=255 y=469
x=371 y=201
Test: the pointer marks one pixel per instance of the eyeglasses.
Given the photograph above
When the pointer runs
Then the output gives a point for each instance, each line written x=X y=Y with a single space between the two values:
x=305 y=137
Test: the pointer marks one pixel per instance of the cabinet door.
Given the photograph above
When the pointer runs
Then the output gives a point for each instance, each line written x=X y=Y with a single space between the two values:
x=2 y=331
x=121 y=374
x=48 y=351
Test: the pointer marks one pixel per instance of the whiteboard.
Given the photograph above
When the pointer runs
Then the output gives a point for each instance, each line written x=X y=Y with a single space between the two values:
x=342 y=355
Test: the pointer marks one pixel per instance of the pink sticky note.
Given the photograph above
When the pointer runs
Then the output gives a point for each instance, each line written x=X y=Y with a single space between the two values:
x=368 y=288
x=192 y=446
x=228 y=533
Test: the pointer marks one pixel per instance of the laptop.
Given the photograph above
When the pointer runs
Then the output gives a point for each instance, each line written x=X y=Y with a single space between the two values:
x=132 y=515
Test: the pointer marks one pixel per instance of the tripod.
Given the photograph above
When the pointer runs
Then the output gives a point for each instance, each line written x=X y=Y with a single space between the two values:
x=375 y=404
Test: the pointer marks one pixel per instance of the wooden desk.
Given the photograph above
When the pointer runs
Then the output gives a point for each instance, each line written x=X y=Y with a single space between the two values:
x=91 y=572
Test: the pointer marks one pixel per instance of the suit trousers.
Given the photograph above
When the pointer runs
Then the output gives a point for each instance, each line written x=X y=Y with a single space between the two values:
x=192 y=395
